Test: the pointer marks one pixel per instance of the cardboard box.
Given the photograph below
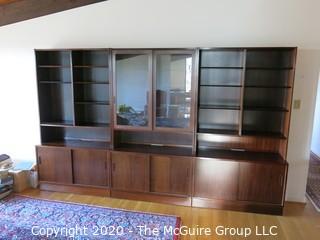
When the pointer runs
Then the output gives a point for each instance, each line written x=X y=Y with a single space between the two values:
x=20 y=180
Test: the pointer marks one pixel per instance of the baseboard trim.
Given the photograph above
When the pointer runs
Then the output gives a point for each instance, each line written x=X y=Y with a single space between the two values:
x=53 y=187
x=243 y=206
x=152 y=197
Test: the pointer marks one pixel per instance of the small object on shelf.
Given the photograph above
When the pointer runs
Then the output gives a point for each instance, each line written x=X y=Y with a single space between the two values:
x=5 y=181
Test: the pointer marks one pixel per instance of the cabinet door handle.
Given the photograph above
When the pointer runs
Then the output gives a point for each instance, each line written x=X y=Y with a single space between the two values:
x=106 y=165
x=39 y=160
x=281 y=180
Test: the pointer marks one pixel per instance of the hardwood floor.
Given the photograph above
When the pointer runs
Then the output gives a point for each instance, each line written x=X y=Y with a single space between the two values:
x=299 y=221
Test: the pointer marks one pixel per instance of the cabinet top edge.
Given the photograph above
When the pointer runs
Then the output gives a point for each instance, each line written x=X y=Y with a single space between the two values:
x=170 y=48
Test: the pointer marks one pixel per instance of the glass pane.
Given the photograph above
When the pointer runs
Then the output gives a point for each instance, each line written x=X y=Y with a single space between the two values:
x=132 y=81
x=173 y=85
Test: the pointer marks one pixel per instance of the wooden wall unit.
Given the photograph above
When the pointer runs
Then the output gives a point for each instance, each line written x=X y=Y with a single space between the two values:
x=194 y=127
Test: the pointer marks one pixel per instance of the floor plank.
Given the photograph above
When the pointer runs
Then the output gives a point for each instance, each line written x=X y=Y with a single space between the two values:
x=300 y=221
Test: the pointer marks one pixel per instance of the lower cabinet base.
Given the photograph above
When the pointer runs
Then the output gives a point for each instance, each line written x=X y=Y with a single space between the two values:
x=95 y=191
x=150 y=197
x=242 y=206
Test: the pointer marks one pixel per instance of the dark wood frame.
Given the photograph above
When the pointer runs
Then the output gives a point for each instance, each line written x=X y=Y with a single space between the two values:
x=193 y=93
x=114 y=103
x=260 y=149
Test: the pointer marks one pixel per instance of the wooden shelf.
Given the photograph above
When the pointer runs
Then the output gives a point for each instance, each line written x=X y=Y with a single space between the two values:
x=223 y=107
x=92 y=124
x=208 y=85
x=92 y=102
x=90 y=82
x=57 y=124
x=53 y=66
x=218 y=131
x=78 y=125
x=246 y=156
x=264 y=134
x=79 y=144
x=53 y=82
x=141 y=148
x=257 y=86
x=90 y=66
x=263 y=108
x=269 y=68
x=221 y=67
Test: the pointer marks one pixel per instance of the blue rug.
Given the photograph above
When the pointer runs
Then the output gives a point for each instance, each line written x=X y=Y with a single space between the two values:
x=313 y=183
x=29 y=218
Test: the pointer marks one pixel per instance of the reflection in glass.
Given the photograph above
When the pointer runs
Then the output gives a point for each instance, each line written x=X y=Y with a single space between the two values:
x=173 y=90
x=132 y=83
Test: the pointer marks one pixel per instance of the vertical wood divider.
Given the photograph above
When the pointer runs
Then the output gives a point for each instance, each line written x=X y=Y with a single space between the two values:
x=111 y=102
x=72 y=88
x=196 y=77
x=243 y=76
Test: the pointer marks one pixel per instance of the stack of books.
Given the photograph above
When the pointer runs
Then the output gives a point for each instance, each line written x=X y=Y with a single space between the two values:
x=6 y=181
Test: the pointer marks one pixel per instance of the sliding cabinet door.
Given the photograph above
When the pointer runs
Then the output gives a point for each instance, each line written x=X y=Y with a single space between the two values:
x=132 y=74
x=173 y=90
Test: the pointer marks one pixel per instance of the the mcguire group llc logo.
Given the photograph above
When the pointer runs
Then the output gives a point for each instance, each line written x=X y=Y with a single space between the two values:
x=209 y=231
x=156 y=233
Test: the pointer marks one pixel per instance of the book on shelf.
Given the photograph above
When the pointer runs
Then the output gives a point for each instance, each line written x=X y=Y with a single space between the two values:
x=5 y=162
x=8 y=180
x=4 y=157
x=5 y=188
x=5 y=194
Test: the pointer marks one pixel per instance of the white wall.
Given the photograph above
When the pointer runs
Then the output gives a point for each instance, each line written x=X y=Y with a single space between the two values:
x=165 y=23
x=315 y=143
x=307 y=73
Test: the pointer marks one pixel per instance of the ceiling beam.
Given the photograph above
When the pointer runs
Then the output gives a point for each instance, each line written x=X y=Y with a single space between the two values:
x=21 y=10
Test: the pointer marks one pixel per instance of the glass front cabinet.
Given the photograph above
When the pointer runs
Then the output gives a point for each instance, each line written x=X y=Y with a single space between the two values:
x=154 y=90
x=132 y=89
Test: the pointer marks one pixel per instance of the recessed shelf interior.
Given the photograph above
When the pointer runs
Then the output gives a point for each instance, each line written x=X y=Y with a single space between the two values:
x=91 y=93
x=263 y=122
x=91 y=74
x=153 y=138
x=87 y=58
x=56 y=103
x=269 y=58
x=222 y=58
x=268 y=78
x=218 y=119
x=93 y=137
x=226 y=77
x=220 y=96
x=266 y=97
x=59 y=75
x=92 y=114
x=53 y=58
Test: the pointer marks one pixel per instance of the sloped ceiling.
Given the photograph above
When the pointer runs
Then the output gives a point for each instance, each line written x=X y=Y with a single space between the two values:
x=12 y=11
